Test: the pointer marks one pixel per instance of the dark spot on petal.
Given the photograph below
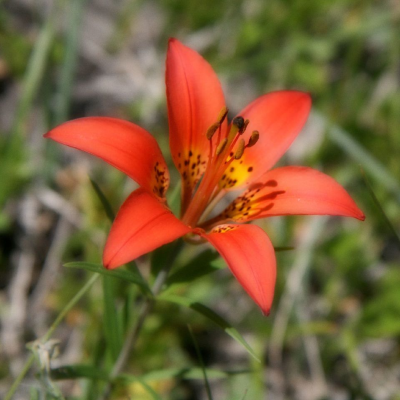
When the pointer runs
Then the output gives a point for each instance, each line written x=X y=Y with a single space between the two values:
x=271 y=183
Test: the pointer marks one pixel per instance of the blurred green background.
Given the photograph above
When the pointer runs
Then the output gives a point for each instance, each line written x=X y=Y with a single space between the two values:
x=334 y=330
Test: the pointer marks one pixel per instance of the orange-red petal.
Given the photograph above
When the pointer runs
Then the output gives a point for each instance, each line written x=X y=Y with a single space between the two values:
x=195 y=99
x=278 y=117
x=124 y=145
x=142 y=224
x=250 y=256
x=293 y=191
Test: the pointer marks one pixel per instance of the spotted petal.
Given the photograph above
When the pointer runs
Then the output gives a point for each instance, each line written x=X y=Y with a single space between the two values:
x=124 y=145
x=250 y=256
x=142 y=225
x=195 y=99
x=278 y=117
x=293 y=191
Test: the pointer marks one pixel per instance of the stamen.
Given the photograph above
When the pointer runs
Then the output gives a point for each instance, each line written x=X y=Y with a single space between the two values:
x=246 y=122
x=240 y=149
x=237 y=125
x=239 y=122
x=253 y=138
x=222 y=115
x=211 y=130
x=221 y=146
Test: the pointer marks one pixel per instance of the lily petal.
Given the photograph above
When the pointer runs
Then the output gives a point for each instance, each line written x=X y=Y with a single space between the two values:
x=250 y=256
x=142 y=224
x=278 y=117
x=124 y=145
x=293 y=191
x=195 y=100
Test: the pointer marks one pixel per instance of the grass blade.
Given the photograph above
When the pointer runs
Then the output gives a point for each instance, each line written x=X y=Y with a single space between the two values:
x=344 y=140
x=213 y=316
x=112 y=326
x=379 y=206
x=70 y=60
x=203 y=369
x=124 y=274
x=34 y=74
x=199 y=266
x=103 y=199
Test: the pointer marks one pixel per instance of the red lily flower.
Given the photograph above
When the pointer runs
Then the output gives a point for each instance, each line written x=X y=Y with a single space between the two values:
x=213 y=158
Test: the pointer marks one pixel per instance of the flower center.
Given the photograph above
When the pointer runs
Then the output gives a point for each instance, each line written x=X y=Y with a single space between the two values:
x=255 y=203
x=225 y=167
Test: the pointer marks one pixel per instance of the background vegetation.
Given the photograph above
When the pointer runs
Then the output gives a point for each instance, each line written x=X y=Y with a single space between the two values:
x=334 y=331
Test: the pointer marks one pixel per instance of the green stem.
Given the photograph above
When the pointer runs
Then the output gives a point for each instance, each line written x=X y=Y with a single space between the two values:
x=134 y=332
x=48 y=334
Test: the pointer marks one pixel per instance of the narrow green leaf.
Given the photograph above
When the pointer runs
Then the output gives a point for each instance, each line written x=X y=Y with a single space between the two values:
x=203 y=264
x=283 y=248
x=213 y=316
x=199 y=266
x=124 y=274
x=112 y=326
x=78 y=371
x=379 y=206
x=186 y=373
x=93 y=372
x=103 y=199
x=165 y=255
x=203 y=369
x=182 y=373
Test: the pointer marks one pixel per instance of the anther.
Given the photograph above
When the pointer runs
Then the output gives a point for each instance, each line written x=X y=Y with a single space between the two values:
x=242 y=130
x=239 y=122
x=211 y=130
x=253 y=138
x=221 y=146
x=240 y=149
x=222 y=115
